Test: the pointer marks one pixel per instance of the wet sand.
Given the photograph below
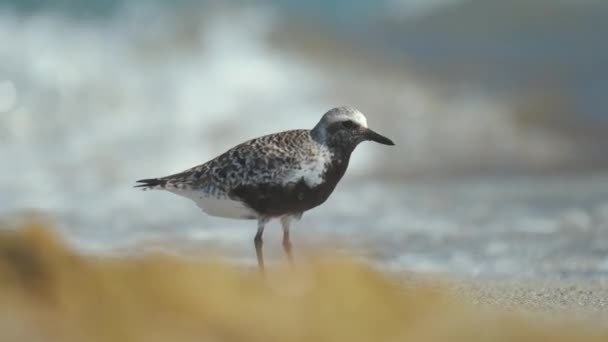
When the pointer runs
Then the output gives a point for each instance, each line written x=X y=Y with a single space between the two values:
x=569 y=299
x=578 y=299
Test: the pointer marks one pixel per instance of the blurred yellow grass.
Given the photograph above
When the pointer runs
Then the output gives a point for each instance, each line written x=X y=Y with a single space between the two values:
x=50 y=293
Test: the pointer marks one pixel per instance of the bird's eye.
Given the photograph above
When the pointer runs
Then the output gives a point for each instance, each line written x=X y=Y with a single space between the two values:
x=348 y=124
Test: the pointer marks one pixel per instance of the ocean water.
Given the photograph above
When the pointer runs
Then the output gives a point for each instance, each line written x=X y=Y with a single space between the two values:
x=89 y=105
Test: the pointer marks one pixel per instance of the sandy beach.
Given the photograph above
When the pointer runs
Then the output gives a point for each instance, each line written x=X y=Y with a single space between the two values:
x=53 y=293
x=579 y=299
x=567 y=299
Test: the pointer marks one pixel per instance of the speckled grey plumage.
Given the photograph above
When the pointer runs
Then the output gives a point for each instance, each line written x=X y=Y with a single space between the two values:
x=277 y=175
x=267 y=159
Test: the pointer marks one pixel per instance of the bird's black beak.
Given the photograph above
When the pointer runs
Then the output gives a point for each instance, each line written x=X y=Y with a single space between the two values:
x=373 y=136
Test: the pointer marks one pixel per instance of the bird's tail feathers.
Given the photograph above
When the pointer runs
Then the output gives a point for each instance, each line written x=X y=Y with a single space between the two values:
x=151 y=183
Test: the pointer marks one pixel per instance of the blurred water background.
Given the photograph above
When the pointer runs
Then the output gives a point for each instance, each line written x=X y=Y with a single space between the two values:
x=498 y=109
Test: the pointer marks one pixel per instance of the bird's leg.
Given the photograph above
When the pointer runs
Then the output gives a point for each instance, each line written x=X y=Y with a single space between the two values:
x=285 y=223
x=258 y=243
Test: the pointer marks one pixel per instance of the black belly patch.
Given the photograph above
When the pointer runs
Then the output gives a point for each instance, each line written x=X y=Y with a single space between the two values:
x=277 y=200
x=274 y=199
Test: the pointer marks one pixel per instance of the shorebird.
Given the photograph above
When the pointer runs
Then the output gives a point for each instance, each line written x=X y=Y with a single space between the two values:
x=280 y=175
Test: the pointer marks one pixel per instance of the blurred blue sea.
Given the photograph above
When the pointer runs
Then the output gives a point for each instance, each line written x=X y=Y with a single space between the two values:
x=498 y=109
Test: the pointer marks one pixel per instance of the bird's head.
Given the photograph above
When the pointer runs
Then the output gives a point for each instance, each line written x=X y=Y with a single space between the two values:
x=346 y=127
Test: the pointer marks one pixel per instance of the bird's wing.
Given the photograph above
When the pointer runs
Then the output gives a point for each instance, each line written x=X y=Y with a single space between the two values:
x=271 y=159
x=250 y=174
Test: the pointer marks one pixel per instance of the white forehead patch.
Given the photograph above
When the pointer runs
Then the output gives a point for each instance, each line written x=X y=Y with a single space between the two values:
x=343 y=114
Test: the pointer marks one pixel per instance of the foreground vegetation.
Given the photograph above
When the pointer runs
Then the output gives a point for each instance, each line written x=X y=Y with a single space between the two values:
x=51 y=293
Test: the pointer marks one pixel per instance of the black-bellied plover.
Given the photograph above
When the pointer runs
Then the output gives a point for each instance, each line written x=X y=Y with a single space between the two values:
x=280 y=175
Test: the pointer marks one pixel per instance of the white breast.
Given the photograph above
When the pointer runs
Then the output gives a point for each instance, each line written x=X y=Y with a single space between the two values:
x=312 y=169
x=218 y=206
